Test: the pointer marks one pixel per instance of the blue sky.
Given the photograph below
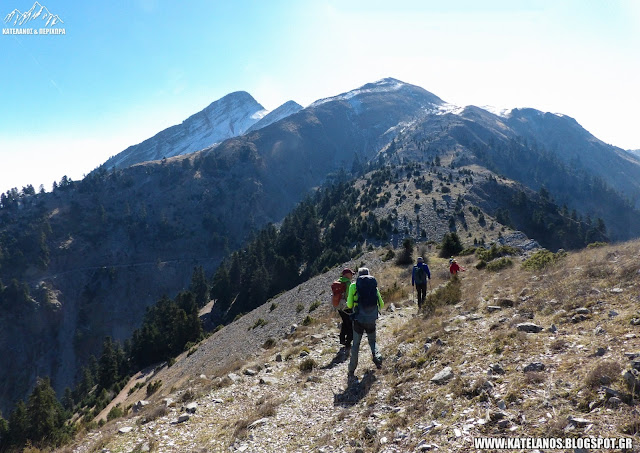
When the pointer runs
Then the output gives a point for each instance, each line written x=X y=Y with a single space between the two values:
x=125 y=70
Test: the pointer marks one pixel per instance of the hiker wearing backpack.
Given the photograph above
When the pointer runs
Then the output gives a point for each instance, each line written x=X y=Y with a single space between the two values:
x=419 y=278
x=340 y=290
x=366 y=301
x=455 y=268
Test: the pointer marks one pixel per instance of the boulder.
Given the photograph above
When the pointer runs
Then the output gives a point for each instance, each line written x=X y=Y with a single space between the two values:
x=528 y=327
x=139 y=405
x=191 y=408
x=183 y=418
x=125 y=429
x=534 y=366
x=443 y=376
x=266 y=380
x=578 y=318
x=582 y=311
x=234 y=378
x=632 y=378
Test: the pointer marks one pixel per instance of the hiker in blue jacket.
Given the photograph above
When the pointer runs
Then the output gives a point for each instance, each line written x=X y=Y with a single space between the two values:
x=365 y=299
x=419 y=278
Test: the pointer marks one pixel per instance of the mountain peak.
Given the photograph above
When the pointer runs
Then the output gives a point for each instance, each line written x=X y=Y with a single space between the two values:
x=386 y=85
x=227 y=117
x=286 y=109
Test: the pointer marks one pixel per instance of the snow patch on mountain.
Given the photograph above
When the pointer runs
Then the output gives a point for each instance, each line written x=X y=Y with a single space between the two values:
x=501 y=112
x=380 y=86
x=445 y=109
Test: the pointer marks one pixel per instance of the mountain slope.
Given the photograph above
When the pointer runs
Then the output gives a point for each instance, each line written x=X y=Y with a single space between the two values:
x=96 y=253
x=114 y=243
x=286 y=109
x=227 y=117
x=502 y=382
x=587 y=182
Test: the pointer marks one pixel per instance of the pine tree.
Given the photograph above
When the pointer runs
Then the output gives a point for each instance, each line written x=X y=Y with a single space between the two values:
x=221 y=287
x=45 y=413
x=199 y=286
x=451 y=245
x=108 y=365
x=18 y=425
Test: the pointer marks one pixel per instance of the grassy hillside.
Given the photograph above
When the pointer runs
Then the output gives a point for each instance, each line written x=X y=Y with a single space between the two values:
x=284 y=389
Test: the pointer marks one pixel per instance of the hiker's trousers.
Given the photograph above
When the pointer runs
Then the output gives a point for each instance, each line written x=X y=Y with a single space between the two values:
x=421 y=289
x=358 y=330
x=346 y=329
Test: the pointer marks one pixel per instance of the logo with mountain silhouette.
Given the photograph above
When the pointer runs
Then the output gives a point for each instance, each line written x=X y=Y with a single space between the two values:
x=37 y=12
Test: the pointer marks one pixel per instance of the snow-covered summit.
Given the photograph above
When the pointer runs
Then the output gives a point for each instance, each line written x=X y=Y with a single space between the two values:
x=229 y=116
x=380 y=86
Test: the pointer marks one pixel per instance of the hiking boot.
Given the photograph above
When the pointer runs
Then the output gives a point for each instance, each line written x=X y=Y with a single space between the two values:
x=378 y=362
x=351 y=378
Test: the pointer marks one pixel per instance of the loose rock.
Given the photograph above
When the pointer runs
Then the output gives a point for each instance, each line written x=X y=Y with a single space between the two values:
x=528 y=327
x=443 y=376
x=535 y=366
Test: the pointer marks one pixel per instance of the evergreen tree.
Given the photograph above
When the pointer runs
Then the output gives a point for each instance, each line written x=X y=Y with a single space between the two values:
x=67 y=399
x=199 y=286
x=108 y=365
x=221 y=287
x=18 y=425
x=45 y=413
x=451 y=245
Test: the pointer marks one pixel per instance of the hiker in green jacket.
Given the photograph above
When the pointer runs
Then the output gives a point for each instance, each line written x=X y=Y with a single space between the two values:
x=365 y=299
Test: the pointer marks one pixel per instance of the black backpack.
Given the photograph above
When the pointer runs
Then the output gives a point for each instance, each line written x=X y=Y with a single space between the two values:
x=420 y=275
x=367 y=288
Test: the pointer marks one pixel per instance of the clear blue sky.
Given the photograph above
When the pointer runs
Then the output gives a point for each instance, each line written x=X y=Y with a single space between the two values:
x=127 y=69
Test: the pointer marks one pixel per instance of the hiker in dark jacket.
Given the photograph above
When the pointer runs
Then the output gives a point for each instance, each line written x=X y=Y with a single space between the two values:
x=346 y=329
x=365 y=299
x=419 y=278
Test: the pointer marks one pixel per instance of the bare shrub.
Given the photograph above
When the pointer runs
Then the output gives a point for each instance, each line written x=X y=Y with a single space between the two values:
x=603 y=373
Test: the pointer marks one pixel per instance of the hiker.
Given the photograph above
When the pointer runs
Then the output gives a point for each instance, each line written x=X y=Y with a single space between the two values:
x=419 y=278
x=346 y=329
x=365 y=299
x=455 y=268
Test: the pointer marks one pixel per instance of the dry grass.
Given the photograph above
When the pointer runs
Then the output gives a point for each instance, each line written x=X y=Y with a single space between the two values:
x=264 y=407
x=603 y=373
x=153 y=414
